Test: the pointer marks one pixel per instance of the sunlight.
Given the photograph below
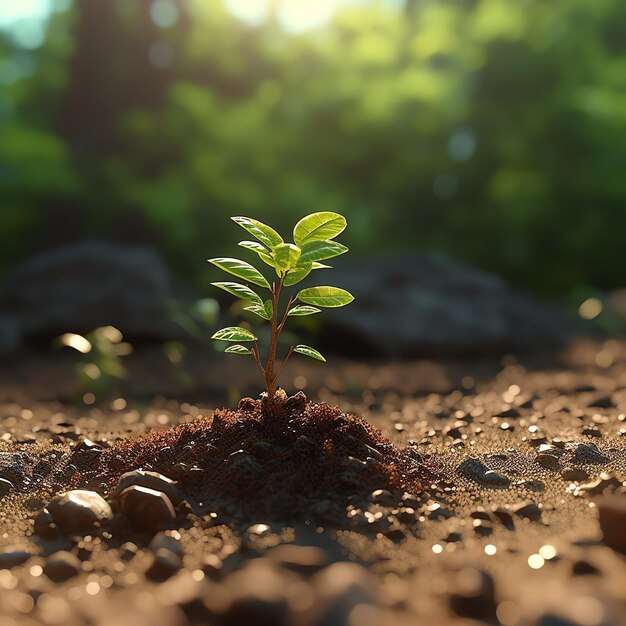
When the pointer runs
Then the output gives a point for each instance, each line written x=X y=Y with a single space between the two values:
x=11 y=12
x=298 y=16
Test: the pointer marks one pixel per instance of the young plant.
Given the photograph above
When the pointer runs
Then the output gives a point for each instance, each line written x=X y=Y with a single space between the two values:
x=292 y=262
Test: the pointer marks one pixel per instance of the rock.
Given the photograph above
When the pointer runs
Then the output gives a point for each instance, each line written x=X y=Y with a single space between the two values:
x=6 y=486
x=482 y=527
x=581 y=567
x=87 y=285
x=79 y=510
x=12 y=556
x=258 y=595
x=603 y=402
x=612 y=515
x=340 y=588
x=606 y=481
x=448 y=308
x=473 y=594
x=163 y=564
x=150 y=480
x=478 y=472
x=586 y=453
x=549 y=461
x=14 y=467
x=61 y=566
x=147 y=509
x=528 y=510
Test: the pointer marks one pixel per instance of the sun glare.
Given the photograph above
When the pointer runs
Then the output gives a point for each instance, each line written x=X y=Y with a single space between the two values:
x=295 y=16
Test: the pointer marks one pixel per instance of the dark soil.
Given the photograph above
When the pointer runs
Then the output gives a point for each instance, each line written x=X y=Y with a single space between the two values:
x=296 y=460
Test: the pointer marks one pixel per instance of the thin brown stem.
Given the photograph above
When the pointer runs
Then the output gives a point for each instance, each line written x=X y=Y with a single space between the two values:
x=275 y=331
x=284 y=320
x=282 y=365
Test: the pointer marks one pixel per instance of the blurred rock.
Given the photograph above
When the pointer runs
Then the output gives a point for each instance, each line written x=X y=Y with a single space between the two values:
x=84 y=286
x=473 y=594
x=61 y=566
x=425 y=303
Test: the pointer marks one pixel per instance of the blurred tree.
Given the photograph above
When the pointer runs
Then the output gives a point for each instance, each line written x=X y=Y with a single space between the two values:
x=489 y=129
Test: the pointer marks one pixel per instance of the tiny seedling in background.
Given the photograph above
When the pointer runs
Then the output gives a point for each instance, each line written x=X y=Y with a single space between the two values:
x=292 y=262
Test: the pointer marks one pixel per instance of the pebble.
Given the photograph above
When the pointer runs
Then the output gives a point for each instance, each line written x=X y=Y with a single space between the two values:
x=258 y=595
x=382 y=497
x=547 y=460
x=478 y=472
x=61 y=566
x=473 y=594
x=78 y=510
x=586 y=453
x=147 y=509
x=13 y=467
x=167 y=541
x=6 y=486
x=150 y=480
x=528 y=510
x=12 y=556
x=612 y=515
x=163 y=564
x=606 y=481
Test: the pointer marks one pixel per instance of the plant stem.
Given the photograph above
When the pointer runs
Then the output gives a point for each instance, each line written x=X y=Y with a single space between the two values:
x=275 y=330
x=282 y=365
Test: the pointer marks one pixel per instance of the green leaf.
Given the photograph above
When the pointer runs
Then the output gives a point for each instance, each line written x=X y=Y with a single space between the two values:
x=298 y=311
x=321 y=266
x=286 y=256
x=298 y=273
x=241 y=269
x=261 y=231
x=237 y=349
x=329 y=297
x=320 y=250
x=323 y=225
x=264 y=311
x=240 y=291
x=234 y=333
x=260 y=249
x=308 y=351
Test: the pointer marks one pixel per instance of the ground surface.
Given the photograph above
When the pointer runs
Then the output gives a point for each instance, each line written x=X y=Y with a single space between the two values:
x=502 y=530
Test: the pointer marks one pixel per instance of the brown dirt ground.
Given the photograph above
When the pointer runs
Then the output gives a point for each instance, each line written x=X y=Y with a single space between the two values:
x=445 y=413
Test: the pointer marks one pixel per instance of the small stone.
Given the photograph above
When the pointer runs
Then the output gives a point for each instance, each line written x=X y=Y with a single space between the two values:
x=528 y=510
x=247 y=405
x=61 y=566
x=258 y=529
x=474 y=594
x=13 y=556
x=549 y=461
x=587 y=453
x=150 y=480
x=296 y=403
x=482 y=528
x=212 y=565
x=147 y=509
x=6 y=486
x=258 y=595
x=607 y=481
x=574 y=475
x=509 y=412
x=478 y=472
x=603 y=402
x=163 y=564
x=584 y=568
x=79 y=510
x=504 y=517
x=612 y=514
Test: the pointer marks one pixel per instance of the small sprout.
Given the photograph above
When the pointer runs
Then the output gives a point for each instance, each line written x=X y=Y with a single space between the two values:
x=293 y=262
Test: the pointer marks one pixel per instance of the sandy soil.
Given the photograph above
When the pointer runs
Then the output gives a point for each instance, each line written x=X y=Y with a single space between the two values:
x=515 y=456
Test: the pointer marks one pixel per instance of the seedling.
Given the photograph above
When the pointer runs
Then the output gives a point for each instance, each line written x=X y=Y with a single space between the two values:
x=292 y=262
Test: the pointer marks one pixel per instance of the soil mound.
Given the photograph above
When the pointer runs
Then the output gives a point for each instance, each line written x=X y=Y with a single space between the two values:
x=296 y=460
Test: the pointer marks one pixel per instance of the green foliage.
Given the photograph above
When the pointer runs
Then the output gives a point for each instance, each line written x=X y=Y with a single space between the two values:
x=490 y=130
x=313 y=235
